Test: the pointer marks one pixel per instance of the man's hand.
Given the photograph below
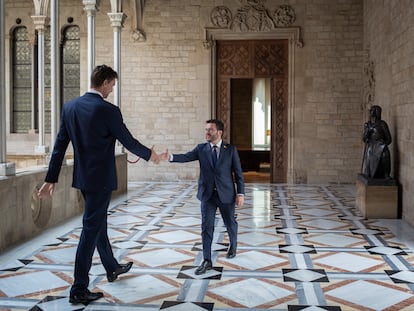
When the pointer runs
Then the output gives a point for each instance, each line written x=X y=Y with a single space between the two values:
x=165 y=156
x=239 y=200
x=155 y=158
x=46 y=190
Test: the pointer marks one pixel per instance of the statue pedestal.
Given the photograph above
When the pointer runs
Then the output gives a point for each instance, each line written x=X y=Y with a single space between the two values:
x=377 y=198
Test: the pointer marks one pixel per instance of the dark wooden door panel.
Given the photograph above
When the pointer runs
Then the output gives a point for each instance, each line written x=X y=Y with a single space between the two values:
x=251 y=59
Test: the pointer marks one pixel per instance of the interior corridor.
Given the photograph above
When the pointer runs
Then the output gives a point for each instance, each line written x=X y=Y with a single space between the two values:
x=301 y=247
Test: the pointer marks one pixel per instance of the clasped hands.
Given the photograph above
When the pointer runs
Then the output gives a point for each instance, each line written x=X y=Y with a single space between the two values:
x=157 y=158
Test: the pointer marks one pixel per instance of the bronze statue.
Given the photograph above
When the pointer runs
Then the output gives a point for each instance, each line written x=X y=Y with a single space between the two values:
x=376 y=137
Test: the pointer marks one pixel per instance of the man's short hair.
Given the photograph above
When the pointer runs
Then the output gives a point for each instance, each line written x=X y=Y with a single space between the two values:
x=219 y=124
x=102 y=73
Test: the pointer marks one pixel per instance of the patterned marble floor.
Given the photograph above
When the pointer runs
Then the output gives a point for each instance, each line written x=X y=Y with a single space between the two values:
x=301 y=247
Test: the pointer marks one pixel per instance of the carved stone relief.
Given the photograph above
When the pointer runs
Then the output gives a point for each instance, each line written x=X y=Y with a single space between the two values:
x=253 y=16
x=137 y=32
x=369 y=83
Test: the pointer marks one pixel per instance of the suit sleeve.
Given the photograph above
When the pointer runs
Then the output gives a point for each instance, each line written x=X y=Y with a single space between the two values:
x=238 y=172
x=192 y=155
x=121 y=133
x=58 y=154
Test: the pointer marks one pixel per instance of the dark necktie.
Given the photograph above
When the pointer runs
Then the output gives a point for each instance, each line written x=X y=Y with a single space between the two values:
x=214 y=155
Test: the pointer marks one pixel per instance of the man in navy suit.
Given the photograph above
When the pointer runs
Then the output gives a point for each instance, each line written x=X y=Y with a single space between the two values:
x=220 y=171
x=93 y=125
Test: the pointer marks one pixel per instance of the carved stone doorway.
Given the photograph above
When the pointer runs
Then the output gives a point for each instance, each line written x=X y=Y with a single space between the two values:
x=249 y=59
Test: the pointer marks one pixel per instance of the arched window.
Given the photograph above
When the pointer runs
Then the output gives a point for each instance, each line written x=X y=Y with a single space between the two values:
x=70 y=63
x=22 y=75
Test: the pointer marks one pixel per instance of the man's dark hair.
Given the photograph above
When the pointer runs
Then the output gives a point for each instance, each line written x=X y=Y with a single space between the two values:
x=219 y=124
x=102 y=73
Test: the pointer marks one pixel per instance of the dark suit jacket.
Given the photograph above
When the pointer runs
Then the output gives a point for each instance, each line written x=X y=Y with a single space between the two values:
x=92 y=125
x=227 y=172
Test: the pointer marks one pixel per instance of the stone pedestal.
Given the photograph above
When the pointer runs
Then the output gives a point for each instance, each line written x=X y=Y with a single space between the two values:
x=377 y=198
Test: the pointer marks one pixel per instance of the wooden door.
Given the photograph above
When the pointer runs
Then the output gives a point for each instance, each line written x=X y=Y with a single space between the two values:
x=257 y=59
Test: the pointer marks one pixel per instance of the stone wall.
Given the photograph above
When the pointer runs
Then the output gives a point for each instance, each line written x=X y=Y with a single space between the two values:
x=166 y=91
x=20 y=208
x=388 y=37
x=328 y=92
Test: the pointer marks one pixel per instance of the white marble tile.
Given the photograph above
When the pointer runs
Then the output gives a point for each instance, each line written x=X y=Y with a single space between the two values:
x=254 y=260
x=251 y=292
x=139 y=209
x=58 y=304
x=123 y=220
x=334 y=239
x=369 y=295
x=349 y=262
x=316 y=212
x=151 y=200
x=176 y=237
x=186 y=306
x=259 y=238
x=26 y=283
x=137 y=288
x=406 y=276
x=184 y=221
x=160 y=257
x=61 y=255
x=304 y=275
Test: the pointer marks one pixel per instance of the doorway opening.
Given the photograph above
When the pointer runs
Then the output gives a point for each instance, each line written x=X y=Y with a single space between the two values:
x=251 y=126
x=240 y=65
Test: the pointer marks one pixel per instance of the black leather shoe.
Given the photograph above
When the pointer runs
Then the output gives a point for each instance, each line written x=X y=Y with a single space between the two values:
x=231 y=253
x=85 y=297
x=205 y=265
x=123 y=268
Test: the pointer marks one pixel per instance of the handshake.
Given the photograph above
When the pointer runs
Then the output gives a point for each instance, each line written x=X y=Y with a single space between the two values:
x=157 y=158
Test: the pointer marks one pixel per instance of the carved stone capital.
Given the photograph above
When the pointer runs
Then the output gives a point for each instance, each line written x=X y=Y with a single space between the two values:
x=40 y=22
x=117 y=19
x=91 y=6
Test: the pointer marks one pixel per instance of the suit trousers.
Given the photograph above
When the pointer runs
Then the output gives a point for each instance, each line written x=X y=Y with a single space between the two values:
x=208 y=216
x=94 y=235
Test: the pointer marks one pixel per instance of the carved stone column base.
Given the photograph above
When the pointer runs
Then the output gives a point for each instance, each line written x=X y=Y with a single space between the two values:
x=7 y=169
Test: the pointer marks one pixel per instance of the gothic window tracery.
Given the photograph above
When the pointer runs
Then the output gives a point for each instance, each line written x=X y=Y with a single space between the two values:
x=21 y=73
x=70 y=63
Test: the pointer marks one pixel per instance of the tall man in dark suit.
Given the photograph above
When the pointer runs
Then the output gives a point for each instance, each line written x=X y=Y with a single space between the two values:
x=220 y=170
x=93 y=125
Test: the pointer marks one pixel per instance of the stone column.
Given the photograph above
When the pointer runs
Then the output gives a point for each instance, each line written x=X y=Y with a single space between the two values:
x=5 y=168
x=54 y=70
x=40 y=23
x=33 y=93
x=90 y=8
x=117 y=22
